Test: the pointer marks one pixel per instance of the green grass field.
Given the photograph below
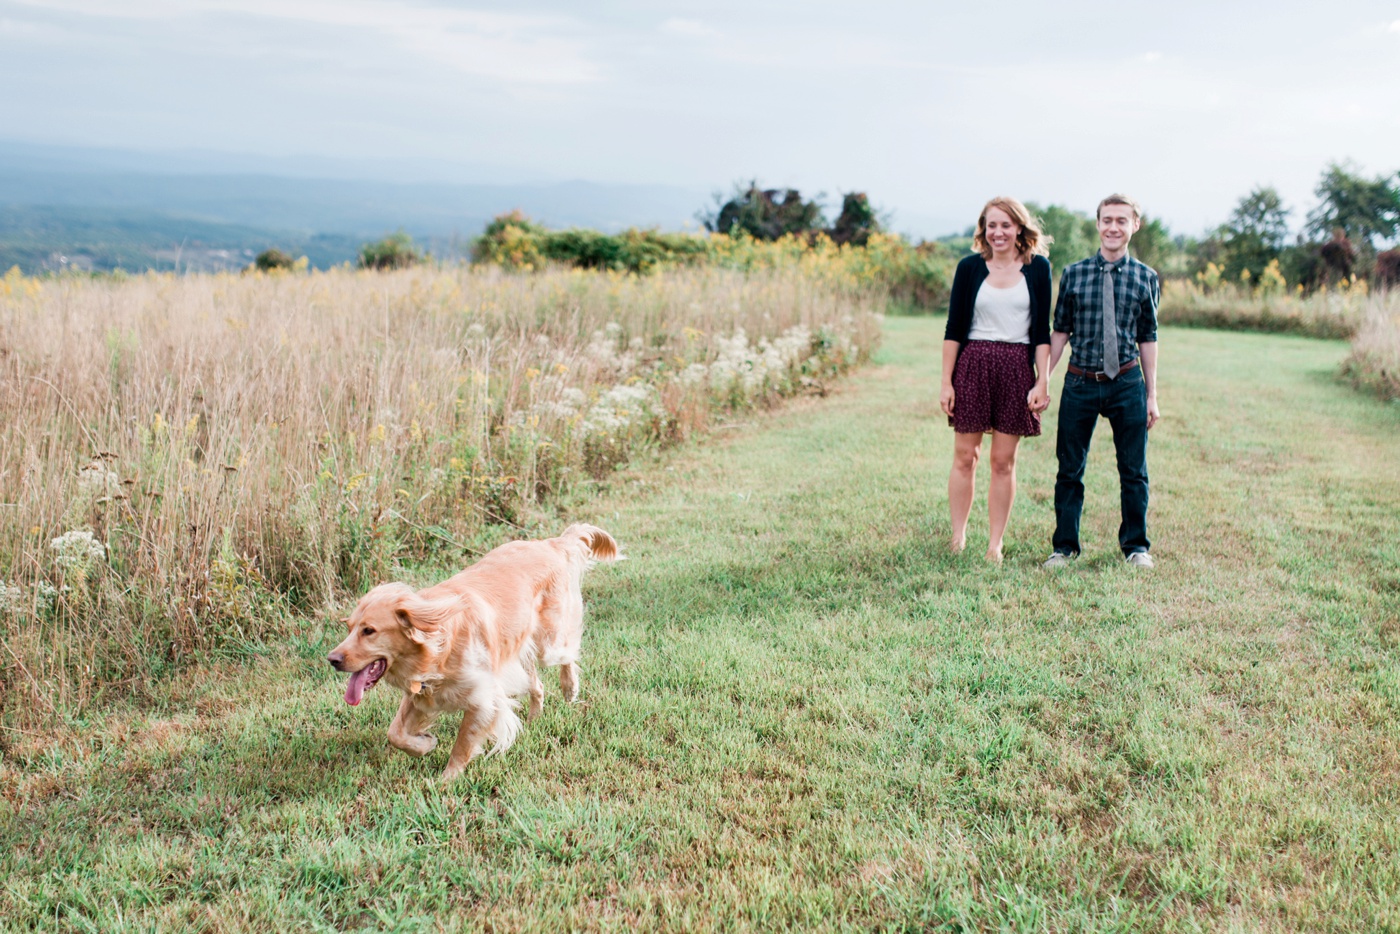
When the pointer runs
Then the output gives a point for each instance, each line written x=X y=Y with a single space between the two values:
x=801 y=712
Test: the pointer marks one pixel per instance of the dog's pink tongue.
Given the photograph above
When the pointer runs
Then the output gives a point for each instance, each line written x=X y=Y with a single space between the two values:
x=355 y=690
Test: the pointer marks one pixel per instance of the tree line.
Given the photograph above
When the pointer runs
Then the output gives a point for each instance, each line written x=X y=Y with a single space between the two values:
x=1349 y=235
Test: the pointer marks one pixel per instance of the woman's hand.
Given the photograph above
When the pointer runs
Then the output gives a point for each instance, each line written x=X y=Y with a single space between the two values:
x=945 y=399
x=1038 y=399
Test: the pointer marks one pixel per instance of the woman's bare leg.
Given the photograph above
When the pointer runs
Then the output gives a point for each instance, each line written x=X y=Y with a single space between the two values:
x=1002 y=492
x=966 y=449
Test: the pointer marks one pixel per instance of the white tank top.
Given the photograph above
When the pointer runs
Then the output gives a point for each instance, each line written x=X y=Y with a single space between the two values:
x=1002 y=314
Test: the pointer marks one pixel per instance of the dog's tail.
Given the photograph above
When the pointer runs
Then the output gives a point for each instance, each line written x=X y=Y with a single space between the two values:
x=507 y=726
x=599 y=544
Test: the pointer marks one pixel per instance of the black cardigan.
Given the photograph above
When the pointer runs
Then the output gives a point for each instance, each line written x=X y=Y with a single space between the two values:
x=971 y=272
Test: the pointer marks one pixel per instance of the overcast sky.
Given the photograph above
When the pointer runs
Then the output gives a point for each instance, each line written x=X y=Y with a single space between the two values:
x=929 y=107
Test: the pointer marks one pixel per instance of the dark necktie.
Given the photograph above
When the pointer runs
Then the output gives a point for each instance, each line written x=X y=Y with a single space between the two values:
x=1110 y=325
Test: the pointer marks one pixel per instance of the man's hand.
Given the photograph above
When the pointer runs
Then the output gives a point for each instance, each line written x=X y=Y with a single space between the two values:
x=1038 y=399
x=1153 y=414
x=945 y=399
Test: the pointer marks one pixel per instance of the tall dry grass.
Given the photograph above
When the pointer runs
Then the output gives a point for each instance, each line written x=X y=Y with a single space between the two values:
x=1335 y=313
x=1374 y=362
x=184 y=460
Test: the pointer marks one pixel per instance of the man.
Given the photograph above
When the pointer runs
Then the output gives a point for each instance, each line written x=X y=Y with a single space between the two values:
x=1107 y=310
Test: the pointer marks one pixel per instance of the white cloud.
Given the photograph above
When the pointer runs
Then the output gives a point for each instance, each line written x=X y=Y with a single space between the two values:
x=10 y=27
x=1395 y=26
x=690 y=28
x=1152 y=56
x=515 y=48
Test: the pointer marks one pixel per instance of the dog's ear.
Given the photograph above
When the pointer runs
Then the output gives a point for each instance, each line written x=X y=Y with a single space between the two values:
x=409 y=623
x=419 y=618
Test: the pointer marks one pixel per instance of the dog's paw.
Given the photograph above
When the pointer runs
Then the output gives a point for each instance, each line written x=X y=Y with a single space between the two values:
x=419 y=745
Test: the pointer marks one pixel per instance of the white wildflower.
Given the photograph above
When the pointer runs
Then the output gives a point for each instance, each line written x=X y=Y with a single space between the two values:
x=754 y=367
x=45 y=595
x=13 y=599
x=792 y=345
x=619 y=409
x=97 y=480
x=76 y=550
x=693 y=375
x=555 y=400
x=603 y=350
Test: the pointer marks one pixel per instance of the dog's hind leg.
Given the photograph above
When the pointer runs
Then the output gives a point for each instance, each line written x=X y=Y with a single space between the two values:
x=568 y=681
x=477 y=722
x=407 y=732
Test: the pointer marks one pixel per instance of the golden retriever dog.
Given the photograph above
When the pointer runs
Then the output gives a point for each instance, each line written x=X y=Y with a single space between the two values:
x=474 y=642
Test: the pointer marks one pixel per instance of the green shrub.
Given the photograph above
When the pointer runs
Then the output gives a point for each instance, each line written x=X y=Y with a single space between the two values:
x=921 y=277
x=916 y=278
x=273 y=259
x=513 y=241
x=632 y=250
x=856 y=222
x=765 y=214
x=396 y=251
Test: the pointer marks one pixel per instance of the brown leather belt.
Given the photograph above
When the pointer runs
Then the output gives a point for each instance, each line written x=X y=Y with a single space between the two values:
x=1097 y=375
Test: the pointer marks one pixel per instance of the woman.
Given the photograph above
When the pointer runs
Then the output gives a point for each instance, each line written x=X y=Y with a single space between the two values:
x=995 y=354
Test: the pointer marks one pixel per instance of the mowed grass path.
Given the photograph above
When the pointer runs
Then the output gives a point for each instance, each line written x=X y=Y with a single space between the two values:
x=802 y=712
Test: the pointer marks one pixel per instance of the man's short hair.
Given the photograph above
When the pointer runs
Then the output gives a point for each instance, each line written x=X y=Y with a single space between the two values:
x=1119 y=199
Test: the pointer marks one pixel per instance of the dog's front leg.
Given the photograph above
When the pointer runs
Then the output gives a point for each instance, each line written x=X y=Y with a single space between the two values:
x=407 y=732
x=476 y=723
x=536 y=692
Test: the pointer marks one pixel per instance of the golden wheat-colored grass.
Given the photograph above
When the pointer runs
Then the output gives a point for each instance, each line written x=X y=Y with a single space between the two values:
x=1374 y=363
x=1327 y=313
x=185 y=459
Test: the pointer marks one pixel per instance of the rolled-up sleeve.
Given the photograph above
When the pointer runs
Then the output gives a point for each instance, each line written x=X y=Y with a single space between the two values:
x=1147 y=316
x=1064 y=306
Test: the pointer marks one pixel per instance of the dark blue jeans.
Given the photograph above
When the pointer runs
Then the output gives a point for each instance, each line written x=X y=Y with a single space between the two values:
x=1123 y=402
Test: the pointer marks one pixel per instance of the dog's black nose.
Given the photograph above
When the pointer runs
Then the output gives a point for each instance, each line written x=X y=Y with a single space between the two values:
x=337 y=660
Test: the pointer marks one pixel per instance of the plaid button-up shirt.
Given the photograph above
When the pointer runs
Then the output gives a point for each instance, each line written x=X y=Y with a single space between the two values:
x=1079 y=309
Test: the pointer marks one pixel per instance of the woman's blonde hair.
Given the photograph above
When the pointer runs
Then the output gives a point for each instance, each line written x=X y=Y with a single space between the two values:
x=1031 y=241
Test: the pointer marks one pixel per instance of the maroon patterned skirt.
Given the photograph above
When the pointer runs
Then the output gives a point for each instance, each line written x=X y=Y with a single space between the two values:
x=990 y=383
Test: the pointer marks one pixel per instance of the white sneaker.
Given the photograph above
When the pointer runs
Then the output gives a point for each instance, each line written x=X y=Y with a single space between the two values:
x=1141 y=559
x=1057 y=559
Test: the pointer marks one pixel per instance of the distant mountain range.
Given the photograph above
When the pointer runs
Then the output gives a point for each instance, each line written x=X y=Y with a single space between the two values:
x=97 y=209
x=50 y=238
x=64 y=207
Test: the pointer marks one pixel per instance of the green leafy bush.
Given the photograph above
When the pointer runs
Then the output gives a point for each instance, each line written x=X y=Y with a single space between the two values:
x=631 y=250
x=273 y=259
x=916 y=278
x=765 y=213
x=513 y=241
x=396 y=251
x=856 y=222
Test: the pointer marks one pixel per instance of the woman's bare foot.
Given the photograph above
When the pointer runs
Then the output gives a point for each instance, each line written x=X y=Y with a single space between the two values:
x=956 y=545
x=994 y=555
